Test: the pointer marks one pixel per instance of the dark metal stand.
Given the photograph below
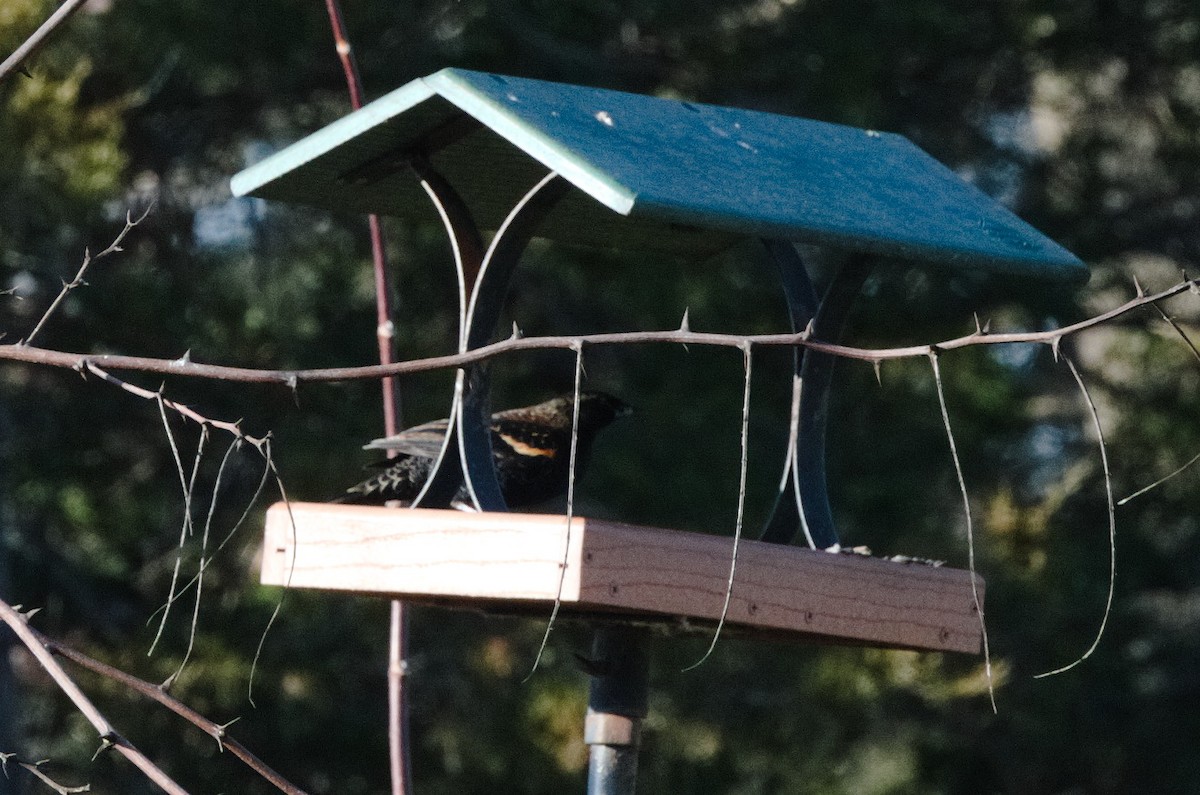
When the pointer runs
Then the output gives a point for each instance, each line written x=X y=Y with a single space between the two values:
x=616 y=707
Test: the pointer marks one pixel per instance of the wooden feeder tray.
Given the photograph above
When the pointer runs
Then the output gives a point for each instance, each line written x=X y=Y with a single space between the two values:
x=512 y=563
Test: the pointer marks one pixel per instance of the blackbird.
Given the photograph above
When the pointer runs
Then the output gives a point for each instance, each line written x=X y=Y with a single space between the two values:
x=531 y=447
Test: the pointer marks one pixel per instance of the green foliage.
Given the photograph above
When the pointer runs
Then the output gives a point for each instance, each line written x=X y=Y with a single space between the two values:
x=1082 y=115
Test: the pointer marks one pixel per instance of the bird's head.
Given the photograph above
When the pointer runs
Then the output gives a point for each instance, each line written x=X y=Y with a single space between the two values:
x=597 y=409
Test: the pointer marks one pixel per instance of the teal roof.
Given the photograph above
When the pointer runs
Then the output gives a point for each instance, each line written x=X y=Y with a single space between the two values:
x=654 y=173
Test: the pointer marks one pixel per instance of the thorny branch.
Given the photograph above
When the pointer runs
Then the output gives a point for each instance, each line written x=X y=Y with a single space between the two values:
x=78 y=281
x=43 y=647
x=31 y=44
x=184 y=366
x=109 y=737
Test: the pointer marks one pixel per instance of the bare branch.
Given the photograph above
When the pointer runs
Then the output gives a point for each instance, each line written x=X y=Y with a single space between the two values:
x=1179 y=330
x=155 y=693
x=203 y=562
x=562 y=566
x=78 y=281
x=962 y=486
x=1196 y=353
x=82 y=361
x=186 y=530
x=1160 y=481
x=35 y=769
x=747 y=364
x=108 y=735
x=264 y=449
x=184 y=411
x=1112 y=523
x=31 y=44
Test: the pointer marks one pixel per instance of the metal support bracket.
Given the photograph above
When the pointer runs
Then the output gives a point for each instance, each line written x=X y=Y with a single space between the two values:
x=466 y=457
x=802 y=502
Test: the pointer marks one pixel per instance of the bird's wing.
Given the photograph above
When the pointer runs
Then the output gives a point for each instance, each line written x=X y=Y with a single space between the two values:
x=424 y=441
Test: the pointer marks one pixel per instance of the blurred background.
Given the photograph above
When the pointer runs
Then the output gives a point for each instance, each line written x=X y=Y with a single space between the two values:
x=1083 y=117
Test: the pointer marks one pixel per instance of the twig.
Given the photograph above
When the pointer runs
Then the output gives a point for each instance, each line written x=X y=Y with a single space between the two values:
x=203 y=562
x=747 y=360
x=962 y=486
x=109 y=736
x=562 y=566
x=262 y=482
x=290 y=378
x=1179 y=330
x=31 y=44
x=1196 y=353
x=1160 y=481
x=35 y=770
x=88 y=259
x=156 y=396
x=265 y=450
x=186 y=530
x=1112 y=523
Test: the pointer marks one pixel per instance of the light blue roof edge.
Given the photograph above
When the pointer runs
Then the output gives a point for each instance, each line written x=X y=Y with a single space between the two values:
x=330 y=137
x=451 y=84
x=460 y=93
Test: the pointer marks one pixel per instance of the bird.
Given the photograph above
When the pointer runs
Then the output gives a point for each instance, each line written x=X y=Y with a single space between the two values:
x=531 y=447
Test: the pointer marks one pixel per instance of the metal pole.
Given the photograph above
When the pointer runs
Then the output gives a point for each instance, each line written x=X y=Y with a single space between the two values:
x=616 y=706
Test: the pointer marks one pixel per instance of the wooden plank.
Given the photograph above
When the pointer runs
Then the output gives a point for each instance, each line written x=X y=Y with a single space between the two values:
x=472 y=558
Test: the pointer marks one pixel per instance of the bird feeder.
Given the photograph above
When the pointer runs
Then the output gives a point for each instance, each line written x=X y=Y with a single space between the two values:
x=526 y=158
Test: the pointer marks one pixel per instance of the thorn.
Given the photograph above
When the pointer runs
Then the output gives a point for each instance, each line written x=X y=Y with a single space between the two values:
x=1137 y=286
x=978 y=328
x=684 y=327
x=1054 y=343
x=987 y=326
x=106 y=742
x=220 y=733
x=878 y=365
x=808 y=330
x=292 y=382
x=516 y=332
x=183 y=360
